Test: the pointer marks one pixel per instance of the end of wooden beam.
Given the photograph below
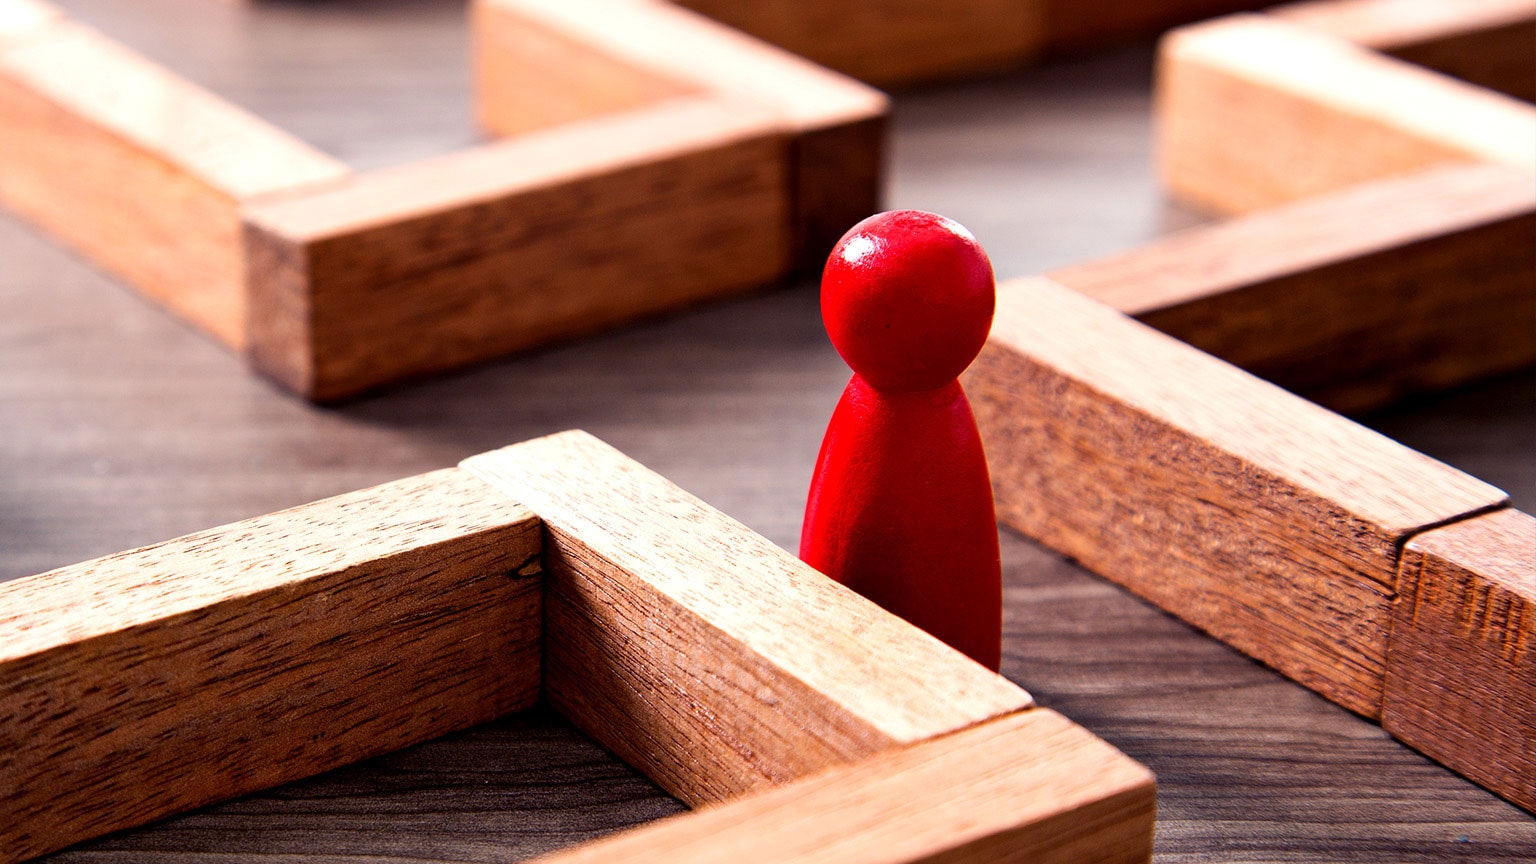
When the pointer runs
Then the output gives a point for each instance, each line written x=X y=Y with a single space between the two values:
x=1461 y=666
x=517 y=244
x=158 y=680
x=1267 y=521
x=706 y=656
x=1253 y=111
x=1030 y=786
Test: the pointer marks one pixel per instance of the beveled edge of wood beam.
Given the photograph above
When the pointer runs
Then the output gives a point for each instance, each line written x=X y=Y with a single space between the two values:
x=154 y=681
x=801 y=672
x=1398 y=116
x=1028 y=786
x=1461 y=660
x=1388 y=25
x=378 y=279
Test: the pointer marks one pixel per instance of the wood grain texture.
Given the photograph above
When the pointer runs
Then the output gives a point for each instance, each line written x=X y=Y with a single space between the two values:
x=836 y=125
x=1461 y=665
x=1490 y=43
x=516 y=244
x=1256 y=111
x=157 y=680
x=1031 y=786
x=139 y=170
x=706 y=656
x=1267 y=521
x=1352 y=299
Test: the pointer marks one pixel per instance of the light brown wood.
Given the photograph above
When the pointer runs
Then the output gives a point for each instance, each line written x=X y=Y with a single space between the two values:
x=540 y=61
x=139 y=170
x=1461 y=665
x=894 y=42
x=154 y=681
x=516 y=244
x=1352 y=299
x=1031 y=786
x=1491 y=43
x=1256 y=111
x=706 y=656
x=1267 y=521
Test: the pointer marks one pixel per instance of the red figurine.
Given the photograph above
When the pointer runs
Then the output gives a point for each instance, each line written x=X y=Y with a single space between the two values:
x=900 y=507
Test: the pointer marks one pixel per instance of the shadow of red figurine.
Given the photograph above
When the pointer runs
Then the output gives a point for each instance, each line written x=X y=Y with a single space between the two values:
x=900 y=508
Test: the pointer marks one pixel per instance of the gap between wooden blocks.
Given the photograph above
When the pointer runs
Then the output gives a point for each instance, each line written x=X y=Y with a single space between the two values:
x=821 y=727
x=1394 y=251
x=658 y=160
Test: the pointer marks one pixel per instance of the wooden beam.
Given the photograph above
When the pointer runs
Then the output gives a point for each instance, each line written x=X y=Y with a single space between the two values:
x=1267 y=521
x=1490 y=43
x=1352 y=299
x=515 y=244
x=706 y=656
x=139 y=170
x=1030 y=786
x=1461 y=666
x=158 y=680
x=598 y=56
x=1255 y=111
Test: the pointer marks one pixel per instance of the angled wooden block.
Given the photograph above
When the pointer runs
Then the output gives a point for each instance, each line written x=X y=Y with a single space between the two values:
x=1352 y=299
x=161 y=679
x=1267 y=521
x=835 y=126
x=158 y=680
x=1255 y=111
x=515 y=244
x=641 y=179
x=1461 y=664
x=680 y=640
x=1030 y=786
x=1490 y=43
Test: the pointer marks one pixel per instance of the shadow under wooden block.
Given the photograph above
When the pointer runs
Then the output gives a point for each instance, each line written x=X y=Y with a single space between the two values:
x=1461 y=663
x=154 y=681
x=1255 y=111
x=1264 y=520
x=638 y=192
x=1352 y=299
x=1490 y=43
x=709 y=658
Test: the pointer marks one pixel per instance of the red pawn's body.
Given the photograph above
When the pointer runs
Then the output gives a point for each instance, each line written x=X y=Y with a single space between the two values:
x=900 y=507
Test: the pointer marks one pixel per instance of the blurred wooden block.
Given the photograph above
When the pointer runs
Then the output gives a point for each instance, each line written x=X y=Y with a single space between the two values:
x=1264 y=520
x=892 y=43
x=139 y=170
x=625 y=193
x=834 y=126
x=1490 y=43
x=1255 y=111
x=1352 y=299
x=1461 y=666
x=154 y=681
x=1030 y=786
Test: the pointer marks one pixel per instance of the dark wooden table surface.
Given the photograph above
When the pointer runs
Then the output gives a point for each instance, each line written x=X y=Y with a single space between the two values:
x=119 y=427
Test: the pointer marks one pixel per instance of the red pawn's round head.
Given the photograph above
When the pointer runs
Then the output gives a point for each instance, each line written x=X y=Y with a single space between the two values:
x=907 y=298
